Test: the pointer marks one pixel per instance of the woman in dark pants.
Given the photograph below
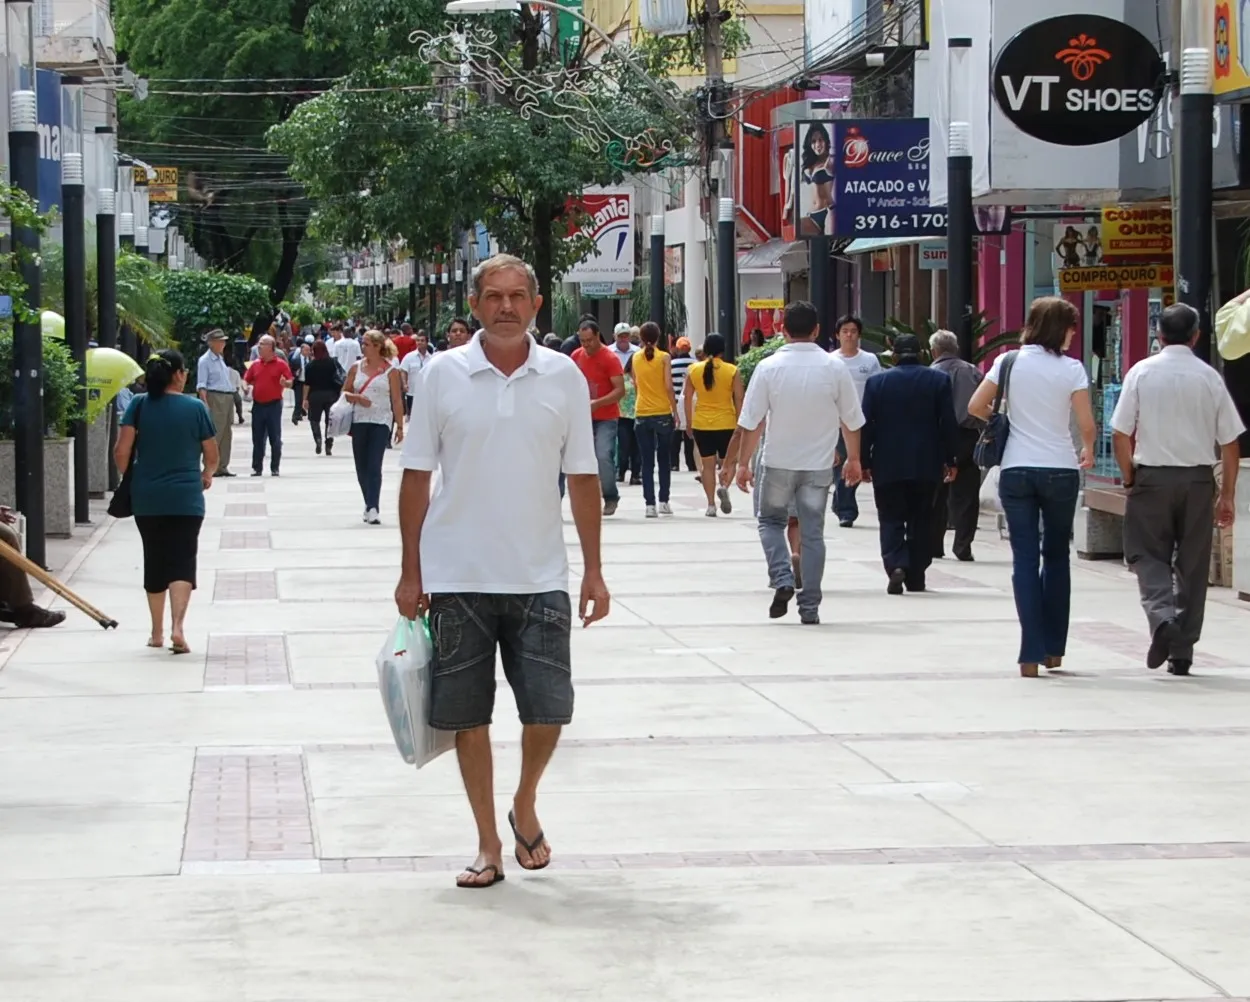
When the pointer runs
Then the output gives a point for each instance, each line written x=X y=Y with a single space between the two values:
x=172 y=439
x=322 y=385
x=376 y=392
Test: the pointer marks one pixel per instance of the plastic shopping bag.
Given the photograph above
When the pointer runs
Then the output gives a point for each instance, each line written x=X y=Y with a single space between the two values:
x=405 y=671
x=340 y=422
x=989 y=491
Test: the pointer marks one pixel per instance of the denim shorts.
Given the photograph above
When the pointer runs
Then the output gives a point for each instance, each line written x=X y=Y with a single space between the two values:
x=532 y=635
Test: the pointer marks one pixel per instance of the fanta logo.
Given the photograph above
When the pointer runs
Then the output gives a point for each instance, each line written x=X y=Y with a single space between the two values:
x=1083 y=56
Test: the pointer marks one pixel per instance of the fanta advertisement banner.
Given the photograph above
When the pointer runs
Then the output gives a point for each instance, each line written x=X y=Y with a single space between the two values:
x=1231 y=48
x=611 y=226
x=881 y=179
x=108 y=371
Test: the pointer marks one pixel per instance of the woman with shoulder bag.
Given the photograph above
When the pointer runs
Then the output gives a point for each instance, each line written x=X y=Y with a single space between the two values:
x=322 y=383
x=376 y=392
x=172 y=441
x=1040 y=471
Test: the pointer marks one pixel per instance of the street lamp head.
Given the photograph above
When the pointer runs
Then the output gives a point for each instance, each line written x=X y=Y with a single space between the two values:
x=481 y=6
x=20 y=56
x=71 y=130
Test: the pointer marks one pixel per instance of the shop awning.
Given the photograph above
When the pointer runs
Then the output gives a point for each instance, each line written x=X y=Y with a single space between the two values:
x=884 y=243
x=766 y=258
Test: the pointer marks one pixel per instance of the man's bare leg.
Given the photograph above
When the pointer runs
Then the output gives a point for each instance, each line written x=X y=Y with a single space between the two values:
x=477 y=769
x=538 y=742
x=156 y=609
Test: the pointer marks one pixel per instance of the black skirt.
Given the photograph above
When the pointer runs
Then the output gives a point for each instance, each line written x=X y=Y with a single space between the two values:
x=171 y=544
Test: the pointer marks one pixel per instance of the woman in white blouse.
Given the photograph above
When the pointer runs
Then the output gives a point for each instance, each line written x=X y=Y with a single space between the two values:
x=1040 y=472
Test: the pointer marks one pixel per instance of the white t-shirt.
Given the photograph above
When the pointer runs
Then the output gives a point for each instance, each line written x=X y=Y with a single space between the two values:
x=624 y=356
x=501 y=443
x=1039 y=406
x=807 y=397
x=412 y=364
x=346 y=351
x=862 y=366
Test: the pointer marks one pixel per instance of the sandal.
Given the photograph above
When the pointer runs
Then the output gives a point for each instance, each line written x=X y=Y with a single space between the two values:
x=179 y=647
x=153 y=642
x=529 y=847
x=475 y=886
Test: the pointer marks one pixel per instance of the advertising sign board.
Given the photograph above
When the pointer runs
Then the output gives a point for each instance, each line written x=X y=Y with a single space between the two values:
x=611 y=227
x=933 y=256
x=1231 y=48
x=1137 y=234
x=48 y=97
x=1102 y=277
x=881 y=179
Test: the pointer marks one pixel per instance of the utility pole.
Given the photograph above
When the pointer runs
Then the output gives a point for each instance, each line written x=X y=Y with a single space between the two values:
x=960 y=225
x=1193 y=157
x=75 y=278
x=106 y=268
x=720 y=150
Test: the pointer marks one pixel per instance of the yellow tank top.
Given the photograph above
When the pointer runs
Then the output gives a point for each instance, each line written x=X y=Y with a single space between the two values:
x=714 y=408
x=652 y=386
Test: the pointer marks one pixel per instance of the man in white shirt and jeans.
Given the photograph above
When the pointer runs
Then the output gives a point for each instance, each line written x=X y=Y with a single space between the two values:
x=862 y=365
x=1179 y=410
x=500 y=410
x=807 y=397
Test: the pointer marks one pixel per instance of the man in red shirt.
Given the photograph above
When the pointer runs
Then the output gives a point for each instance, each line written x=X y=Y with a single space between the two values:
x=404 y=341
x=606 y=379
x=266 y=378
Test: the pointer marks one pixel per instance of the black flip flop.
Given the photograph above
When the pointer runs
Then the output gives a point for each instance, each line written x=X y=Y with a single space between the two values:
x=499 y=877
x=529 y=847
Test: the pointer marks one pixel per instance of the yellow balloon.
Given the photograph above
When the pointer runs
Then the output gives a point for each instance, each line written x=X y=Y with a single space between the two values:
x=53 y=325
x=108 y=371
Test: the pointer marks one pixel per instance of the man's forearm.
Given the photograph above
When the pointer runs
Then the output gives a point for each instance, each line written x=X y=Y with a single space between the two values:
x=202 y=393
x=850 y=439
x=1122 y=446
x=414 y=502
x=585 y=502
x=1230 y=461
x=748 y=442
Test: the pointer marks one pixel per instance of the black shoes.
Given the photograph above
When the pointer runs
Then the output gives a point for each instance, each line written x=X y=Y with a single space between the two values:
x=318 y=448
x=34 y=617
x=846 y=523
x=897 y=576
x=964 y=556
x=1161 y=645
x=1179 y=666
x=256 y=473
x=781 y=602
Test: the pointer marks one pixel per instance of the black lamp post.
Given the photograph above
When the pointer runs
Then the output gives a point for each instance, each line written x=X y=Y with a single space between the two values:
x=106 y=266
x=1193 y=245
x=960 y=226
x=73 y=193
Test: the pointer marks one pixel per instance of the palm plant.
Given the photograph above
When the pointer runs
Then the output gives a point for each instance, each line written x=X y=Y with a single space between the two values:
x=140 y=298
x=883 y=335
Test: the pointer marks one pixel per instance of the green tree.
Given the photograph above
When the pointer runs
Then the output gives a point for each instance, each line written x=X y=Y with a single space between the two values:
x=202 y=300
x=239 y=208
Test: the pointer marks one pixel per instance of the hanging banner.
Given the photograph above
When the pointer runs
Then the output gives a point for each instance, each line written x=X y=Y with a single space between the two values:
x=1106 y=277
x=881 y=179
x=1230 y=46
x=611 y=227
x=1137 y=234
x=48 y=96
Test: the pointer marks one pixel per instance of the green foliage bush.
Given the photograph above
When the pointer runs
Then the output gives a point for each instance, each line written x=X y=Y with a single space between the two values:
x=202 y=300
x=60 y=387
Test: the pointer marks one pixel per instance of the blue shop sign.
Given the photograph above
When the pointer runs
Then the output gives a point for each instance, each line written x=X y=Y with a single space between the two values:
x=882 y=179
x=48 y=95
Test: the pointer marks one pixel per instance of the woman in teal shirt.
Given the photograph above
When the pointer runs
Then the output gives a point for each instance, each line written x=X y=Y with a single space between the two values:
x=172 y=439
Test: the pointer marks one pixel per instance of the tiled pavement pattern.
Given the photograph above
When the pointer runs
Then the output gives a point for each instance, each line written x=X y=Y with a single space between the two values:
x=876 y=810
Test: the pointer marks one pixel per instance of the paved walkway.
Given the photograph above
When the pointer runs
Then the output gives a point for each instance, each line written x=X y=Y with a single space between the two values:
x=877 y=809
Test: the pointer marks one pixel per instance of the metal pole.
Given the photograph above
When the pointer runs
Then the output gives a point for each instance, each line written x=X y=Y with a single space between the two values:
x=106 y=270
x=75 y=241
x=27 y=336
x=821 y=280
x=960 y=226
x=433 y=307
x=412 y=301
x=657 y=271
x=726 y=286
x=1193 y=278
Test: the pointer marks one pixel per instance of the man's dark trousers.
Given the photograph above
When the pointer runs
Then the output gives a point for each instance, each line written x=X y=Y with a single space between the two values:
x=905 y=515
x=267 y=426
x=958 y=504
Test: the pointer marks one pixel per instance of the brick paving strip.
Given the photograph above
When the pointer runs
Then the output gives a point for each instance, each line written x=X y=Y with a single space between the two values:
x=245 y=488
x=247 y=660
x=246 y=510
x=245 y=586
x=244 y=539
x=248 y=812
x=1023 y=854
x=1131 y=643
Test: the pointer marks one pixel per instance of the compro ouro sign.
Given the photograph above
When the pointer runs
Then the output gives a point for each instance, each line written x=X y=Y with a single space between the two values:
x=611 y=226
x=1078 y=79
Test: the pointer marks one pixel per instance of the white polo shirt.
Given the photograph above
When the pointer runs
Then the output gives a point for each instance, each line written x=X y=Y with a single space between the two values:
x=1179 y=408
x=501 y=443
x=807 y=394
x=346 y=351
x=862 y=366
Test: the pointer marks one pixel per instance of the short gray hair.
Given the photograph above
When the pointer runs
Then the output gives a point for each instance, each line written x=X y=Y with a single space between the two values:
x=943 y=343
x=503 y=262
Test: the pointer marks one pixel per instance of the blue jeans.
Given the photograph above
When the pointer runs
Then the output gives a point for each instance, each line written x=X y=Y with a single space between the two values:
x=807 y=492
x=369 y=442
x=267 y=426
x=845 y=505
x=655 y=439
x=1041 y=575
x=605 y=452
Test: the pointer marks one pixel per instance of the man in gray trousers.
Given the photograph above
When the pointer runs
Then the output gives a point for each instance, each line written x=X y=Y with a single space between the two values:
x=1178 y=410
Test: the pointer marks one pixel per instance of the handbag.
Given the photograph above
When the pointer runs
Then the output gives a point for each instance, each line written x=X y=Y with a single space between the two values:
x=121 y=504
x=993 y=440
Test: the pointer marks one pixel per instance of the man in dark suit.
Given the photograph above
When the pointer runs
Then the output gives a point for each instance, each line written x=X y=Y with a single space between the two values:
x=908 y=450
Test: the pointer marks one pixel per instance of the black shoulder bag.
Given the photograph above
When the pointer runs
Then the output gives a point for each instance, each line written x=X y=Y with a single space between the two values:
x=120 y=505
x=989 y=449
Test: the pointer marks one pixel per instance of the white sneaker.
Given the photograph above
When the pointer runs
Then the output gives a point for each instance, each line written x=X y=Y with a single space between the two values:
x=666 y=508
x=365 y=517
x=725 y=504
x=651 y=512
x=372 y=517
x=711 y=511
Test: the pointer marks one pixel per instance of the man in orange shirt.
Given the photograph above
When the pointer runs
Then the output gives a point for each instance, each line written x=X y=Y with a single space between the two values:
x=606 y=380
x=266 y=379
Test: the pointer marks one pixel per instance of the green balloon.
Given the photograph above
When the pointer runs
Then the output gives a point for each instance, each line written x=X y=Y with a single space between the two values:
x=53 y=325
x=108 y=370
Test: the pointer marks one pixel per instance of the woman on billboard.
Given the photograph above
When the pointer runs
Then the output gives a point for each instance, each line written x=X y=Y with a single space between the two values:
x=816 y=174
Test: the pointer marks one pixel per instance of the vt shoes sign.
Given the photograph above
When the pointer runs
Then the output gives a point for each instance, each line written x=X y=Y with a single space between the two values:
x=1078 y=80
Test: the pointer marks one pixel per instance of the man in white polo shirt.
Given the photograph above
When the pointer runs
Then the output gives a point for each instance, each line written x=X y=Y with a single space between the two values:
x=1179 y=409
x=500 y=411
x=808 y=397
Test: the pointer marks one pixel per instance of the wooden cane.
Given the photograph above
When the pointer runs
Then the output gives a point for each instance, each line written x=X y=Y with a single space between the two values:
x=10 y=554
